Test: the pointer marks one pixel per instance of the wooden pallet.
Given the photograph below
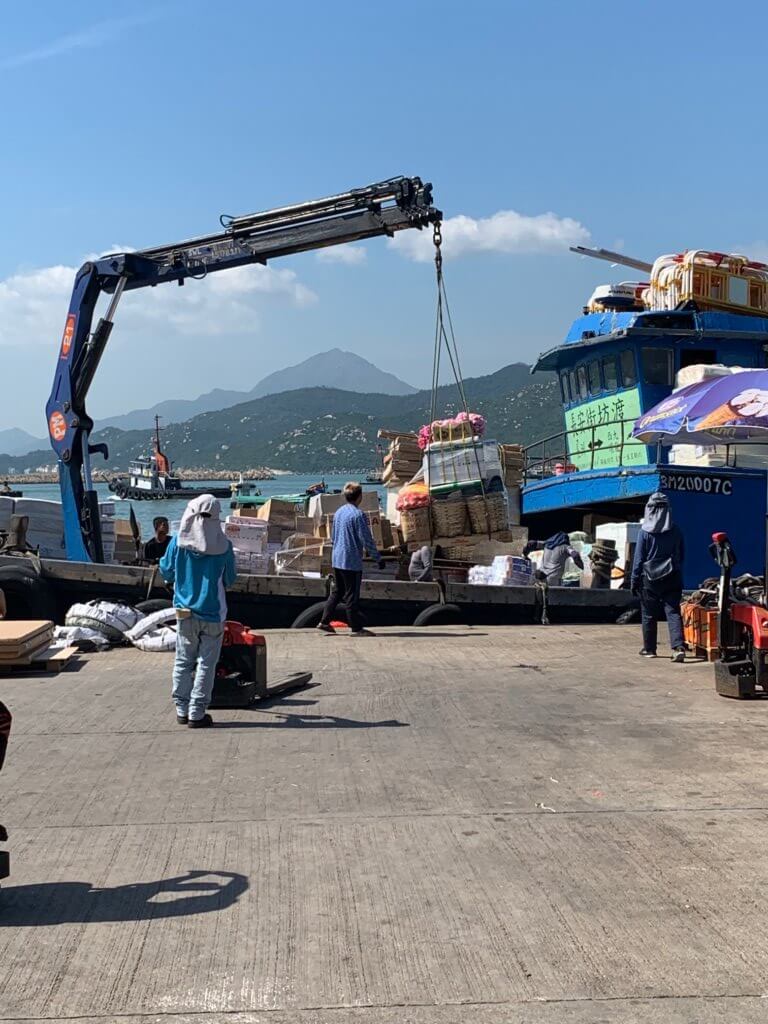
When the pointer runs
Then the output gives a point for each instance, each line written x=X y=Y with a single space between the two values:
x=48 y=659
x=705 y=653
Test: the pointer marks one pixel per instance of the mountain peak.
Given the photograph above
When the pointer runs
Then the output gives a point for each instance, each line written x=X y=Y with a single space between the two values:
x=335 y=368
x=345 y=371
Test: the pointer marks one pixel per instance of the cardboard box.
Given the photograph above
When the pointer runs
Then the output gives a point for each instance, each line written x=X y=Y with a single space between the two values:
x=321 y=505
x=251 y=563
x=324 y=528
x=248 y=535
x=302 y=540
x=305 y=524
x=279 y=513
x=374 y=524
x=297 y=561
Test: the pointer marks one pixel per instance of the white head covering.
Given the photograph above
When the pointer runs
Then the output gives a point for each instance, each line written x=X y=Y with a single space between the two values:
x=200 y=530
x=657 y=518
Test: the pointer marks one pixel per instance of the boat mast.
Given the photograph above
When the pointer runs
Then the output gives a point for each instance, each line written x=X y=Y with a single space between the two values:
x=161 y=460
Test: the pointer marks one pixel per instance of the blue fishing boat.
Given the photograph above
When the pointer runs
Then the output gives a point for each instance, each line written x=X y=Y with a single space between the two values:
x=614 y=364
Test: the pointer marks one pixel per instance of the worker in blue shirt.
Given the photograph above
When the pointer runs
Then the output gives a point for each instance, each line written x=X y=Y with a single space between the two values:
x=200 y=563
x=351 y=537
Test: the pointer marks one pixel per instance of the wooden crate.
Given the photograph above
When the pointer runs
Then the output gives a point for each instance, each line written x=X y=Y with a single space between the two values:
x=701 y=629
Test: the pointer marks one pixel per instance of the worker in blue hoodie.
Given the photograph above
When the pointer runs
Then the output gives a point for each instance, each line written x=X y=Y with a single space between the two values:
x=200 y=563
x=657 y=576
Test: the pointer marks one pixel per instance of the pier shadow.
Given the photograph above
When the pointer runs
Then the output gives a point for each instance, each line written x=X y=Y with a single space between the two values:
x=52 y=903
x=299 y=721
x=433 y=633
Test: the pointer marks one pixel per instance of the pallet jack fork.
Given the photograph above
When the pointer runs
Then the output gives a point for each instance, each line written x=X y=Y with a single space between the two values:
x=742 y=632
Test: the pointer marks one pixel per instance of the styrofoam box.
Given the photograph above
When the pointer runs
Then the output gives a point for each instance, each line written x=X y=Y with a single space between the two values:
x=458 y=463
x=393 y=515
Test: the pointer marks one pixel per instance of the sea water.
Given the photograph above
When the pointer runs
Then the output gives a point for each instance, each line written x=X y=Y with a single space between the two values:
x=145 y=511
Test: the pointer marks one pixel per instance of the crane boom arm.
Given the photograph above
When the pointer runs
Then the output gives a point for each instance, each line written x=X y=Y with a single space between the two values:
x=613 y=257
x=382 y=208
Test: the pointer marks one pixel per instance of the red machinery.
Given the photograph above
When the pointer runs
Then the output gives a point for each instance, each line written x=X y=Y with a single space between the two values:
x=5 y=728
x=743 y=632
x=241 y=674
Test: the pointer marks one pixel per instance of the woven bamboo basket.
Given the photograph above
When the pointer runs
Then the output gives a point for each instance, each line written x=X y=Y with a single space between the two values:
x=414 y=522
x=496 y=518
x=449 y=516
x=458 y=552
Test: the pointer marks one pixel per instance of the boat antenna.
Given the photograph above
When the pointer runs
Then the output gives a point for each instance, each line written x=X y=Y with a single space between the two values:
x=612 y=257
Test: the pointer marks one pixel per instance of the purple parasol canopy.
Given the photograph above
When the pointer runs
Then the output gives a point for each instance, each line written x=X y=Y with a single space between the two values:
x=718 y=410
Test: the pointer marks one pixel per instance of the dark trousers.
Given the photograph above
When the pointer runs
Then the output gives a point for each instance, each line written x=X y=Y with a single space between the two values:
x=346 y=592
x=657 y=605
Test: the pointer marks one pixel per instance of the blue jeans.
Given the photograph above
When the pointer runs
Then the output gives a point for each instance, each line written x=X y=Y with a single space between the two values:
x=198 y=644
x=657 y=605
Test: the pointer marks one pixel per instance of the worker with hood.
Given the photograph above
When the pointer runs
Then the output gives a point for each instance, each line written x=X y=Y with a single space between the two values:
x=557 y=550
x=657 y=576
x=200 y=563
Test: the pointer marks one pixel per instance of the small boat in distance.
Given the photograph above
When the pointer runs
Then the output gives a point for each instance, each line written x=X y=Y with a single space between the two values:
x=151 y=478
x=376 y=475
x=247 y=494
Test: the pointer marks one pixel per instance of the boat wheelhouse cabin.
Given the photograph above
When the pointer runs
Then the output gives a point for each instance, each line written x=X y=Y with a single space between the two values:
x=617 y=361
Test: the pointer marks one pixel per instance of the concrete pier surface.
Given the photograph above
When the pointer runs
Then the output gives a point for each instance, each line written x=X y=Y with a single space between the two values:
x=490 y=825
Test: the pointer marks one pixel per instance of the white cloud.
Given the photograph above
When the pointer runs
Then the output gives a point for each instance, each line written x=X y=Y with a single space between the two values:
x=505 y=231
x=351 y=255
x=33 y=304
x=87 y=38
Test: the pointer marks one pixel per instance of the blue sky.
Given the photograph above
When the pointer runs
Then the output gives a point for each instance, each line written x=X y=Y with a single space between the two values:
x=636 y=126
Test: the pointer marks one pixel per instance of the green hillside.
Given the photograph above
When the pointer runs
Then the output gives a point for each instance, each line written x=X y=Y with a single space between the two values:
x=325 y=429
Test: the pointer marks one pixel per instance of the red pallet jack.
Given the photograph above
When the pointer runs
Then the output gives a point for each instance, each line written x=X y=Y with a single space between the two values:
x=743 y=632
x=5 y=728
x=241 y=674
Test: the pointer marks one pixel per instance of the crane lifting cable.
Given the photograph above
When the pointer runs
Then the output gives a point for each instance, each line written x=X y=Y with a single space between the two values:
x=445 y=338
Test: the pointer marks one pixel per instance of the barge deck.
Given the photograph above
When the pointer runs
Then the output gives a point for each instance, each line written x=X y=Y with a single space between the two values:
x=280 y=602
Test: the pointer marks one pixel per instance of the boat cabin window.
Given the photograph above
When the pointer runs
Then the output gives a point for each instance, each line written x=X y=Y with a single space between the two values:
x=628 y=371
x=658 y=366
x=574 y=386
x=610 y=373
x=697 y=356
x=581 y=372
x=564 y=389
x=593 y=377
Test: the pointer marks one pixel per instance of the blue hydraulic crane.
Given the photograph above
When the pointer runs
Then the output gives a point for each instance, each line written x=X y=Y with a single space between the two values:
x=379 y=209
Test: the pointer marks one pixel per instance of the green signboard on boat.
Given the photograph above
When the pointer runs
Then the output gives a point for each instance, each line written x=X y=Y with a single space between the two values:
x=600 y=432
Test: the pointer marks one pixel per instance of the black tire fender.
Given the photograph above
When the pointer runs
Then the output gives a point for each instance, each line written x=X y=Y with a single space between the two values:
x=309 y=617
x=27 y=594
x=155 y=604
x=439 y=615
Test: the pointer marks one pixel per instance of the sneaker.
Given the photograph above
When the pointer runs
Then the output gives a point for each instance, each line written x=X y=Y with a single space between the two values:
x=647 y=654
x=181 y=719
x=679 y=655
x=200 y=723
x=362 y=632
x=325 y=627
